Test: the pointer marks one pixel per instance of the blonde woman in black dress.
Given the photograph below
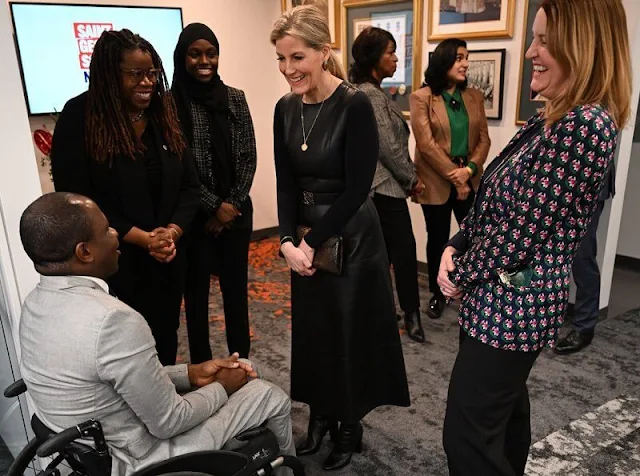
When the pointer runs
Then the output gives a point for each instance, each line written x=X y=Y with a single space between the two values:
x=346 y=356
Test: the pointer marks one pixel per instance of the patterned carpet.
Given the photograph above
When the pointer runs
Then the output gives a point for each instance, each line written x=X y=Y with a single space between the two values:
x=399 y=441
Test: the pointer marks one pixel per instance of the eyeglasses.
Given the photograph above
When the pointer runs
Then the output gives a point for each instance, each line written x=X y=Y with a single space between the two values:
x=136 y=74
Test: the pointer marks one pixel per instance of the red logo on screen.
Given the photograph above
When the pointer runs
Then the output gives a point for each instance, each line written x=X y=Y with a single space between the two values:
x=86 y=35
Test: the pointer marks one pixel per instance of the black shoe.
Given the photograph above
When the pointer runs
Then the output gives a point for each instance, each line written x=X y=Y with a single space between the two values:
x=349 y=440
x=318 y=428
x=436 y=306
x=413 y=326
x=573 y=342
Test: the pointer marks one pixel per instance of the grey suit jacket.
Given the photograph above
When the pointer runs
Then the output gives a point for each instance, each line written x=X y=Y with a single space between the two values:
x=395 y=173
x=86 y=354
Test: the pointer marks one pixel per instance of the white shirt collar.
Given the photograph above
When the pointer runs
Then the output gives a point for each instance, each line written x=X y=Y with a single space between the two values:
x=100 y=282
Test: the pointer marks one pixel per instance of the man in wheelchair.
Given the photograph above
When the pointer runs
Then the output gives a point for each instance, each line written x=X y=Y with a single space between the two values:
x=85 y=354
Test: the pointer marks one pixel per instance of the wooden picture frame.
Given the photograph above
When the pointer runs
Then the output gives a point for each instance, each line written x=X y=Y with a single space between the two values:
x=471 y=19
x=528 y=101
x=403 y=19
x=486 y=74
x=332 y=9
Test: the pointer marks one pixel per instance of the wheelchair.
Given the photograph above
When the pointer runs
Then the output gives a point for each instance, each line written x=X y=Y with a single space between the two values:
x=258 y=455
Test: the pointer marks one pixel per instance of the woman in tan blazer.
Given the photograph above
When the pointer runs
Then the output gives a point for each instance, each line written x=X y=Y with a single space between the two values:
x=452 y=143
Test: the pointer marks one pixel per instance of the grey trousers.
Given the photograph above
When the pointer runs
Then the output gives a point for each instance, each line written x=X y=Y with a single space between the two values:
x=258 y=402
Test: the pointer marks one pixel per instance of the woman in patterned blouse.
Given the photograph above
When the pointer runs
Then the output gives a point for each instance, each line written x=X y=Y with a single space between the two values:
x=216 y=120
x=511 y=261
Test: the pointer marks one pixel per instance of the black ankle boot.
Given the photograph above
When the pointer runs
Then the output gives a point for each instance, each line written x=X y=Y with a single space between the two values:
x=349 y=440
x=413 y=326
x=318 y=427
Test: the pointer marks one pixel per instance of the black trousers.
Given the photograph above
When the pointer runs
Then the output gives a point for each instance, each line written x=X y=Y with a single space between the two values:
x=154 y=290
x=586 y=274
x=401 y=248
x=229 y=254
x=438 y=221
x=487 y=428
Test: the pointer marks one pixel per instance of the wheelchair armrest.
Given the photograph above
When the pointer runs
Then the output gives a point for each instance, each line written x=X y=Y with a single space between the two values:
x=58 y=442
x=16 y=388
x=89 y=429
x=252 y=433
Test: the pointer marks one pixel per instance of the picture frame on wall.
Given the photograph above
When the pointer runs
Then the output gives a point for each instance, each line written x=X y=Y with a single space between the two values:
x=486 y=74
x=528 y=101
x=330 y=8
x=471 y=19
x=403 y=19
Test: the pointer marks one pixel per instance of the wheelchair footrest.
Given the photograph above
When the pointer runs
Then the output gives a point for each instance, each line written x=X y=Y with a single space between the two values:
x=261 y=447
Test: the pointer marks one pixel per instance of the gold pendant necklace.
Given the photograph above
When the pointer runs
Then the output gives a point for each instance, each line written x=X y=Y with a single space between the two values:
x=305 y=137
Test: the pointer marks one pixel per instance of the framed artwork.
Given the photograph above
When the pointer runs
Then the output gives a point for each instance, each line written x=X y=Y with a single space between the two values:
x=528 y=101
x=486 y=73
x=403 y=19
x=330 y=8
x=471 y=19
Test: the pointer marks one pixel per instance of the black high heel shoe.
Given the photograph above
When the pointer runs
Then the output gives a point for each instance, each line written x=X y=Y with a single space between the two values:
x=318 y=428
x=349 y=441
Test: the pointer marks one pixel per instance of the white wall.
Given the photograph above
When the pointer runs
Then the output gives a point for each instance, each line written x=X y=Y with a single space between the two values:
x=629 y=240
x=19 y=186
x=247 y=61
x=625 y=159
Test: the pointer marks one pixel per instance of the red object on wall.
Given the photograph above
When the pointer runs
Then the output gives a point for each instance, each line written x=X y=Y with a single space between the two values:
x=42 y=138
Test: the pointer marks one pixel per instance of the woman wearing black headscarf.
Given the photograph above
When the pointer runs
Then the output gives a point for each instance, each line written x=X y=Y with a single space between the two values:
x=216 y=120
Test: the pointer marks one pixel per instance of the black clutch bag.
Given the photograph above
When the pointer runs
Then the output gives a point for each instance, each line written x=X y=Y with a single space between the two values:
x=328 y=256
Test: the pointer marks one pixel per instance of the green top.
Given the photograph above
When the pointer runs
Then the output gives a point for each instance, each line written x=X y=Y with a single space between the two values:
x=459 y=124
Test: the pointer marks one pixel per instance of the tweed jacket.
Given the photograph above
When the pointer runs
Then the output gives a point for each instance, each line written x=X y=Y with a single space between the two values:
x=533 y=208
x=395 y=172
x=430 y=124
x=243 y=153
x=85 y=354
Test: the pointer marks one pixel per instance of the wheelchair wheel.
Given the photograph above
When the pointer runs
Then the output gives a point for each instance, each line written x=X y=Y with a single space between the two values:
x=24 y=462
x=28 y=463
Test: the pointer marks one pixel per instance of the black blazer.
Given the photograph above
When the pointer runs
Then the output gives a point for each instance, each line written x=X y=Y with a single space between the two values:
x=120 y=188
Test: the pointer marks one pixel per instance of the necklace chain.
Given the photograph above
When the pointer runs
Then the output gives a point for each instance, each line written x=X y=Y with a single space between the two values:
x=305 y=136
x=138 y=117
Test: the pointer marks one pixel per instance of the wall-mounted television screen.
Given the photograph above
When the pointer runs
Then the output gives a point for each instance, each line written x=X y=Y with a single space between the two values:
x=55 y=43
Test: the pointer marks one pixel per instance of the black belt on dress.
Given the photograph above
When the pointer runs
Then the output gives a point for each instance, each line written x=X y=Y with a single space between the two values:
x=319 y=198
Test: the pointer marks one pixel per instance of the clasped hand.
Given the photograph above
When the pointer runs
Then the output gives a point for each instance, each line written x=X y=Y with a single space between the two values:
x=299 y=258
x=162 y=244
x=447 y=266
x=418 y=188
x=224 y=217
x=231 y=373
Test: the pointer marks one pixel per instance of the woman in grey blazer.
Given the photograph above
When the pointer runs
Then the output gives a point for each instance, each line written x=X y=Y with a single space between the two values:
x=395 y=178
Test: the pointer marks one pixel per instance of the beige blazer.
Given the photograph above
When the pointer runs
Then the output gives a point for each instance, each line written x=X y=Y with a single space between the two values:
x=430 y=124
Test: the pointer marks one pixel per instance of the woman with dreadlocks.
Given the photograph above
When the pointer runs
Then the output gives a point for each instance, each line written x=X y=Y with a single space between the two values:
x=120 y=144
x=217 y=122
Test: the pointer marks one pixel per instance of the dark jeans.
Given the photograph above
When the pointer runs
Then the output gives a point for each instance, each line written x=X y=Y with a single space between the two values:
x=438 y=221
x=487 y=428
x=230 y=253
x=586 y=275
x=401 y=248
